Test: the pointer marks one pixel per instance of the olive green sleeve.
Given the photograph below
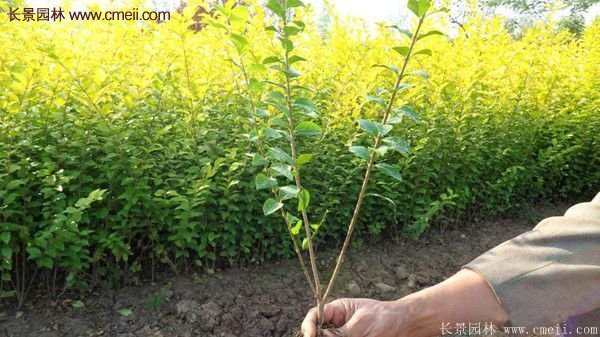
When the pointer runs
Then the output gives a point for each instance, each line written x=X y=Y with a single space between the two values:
x=550 y=273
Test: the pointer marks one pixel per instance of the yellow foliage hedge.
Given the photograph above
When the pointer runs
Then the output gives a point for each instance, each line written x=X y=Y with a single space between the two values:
x=146 y=121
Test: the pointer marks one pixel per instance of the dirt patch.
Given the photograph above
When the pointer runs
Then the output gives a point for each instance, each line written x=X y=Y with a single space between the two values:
x=268 y=300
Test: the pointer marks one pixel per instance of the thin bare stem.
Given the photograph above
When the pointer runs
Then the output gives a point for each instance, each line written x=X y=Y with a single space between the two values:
x=296 y=170
x=298 y=253
x=370 y=164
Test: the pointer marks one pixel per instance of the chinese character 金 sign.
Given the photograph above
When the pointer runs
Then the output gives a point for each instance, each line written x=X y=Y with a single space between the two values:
x=58 y=14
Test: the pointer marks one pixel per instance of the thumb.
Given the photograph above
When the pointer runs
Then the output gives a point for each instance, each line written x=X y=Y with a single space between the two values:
x=350 y=329
x=332 y=313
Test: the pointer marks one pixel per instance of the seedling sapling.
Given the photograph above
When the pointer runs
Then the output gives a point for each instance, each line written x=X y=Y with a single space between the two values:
x=280 y=109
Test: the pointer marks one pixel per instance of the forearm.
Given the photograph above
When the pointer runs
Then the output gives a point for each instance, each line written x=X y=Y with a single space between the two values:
x=465 y=297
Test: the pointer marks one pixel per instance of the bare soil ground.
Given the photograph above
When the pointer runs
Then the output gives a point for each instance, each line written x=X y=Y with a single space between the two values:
x=268 y=300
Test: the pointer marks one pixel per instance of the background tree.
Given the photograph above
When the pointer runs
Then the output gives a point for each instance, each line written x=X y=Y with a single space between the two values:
x=531 y=10
x=539 y=7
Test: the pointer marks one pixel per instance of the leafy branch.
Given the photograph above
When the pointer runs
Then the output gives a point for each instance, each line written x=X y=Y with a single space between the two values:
x=253 y=87
x=379 y=131
x=294 y=115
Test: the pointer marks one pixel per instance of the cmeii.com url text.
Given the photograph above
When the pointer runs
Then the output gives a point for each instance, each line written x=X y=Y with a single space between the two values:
x=58 y=14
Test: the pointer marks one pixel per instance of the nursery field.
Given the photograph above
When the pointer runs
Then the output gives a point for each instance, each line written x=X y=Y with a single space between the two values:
x=133 y=149
x=268 y=300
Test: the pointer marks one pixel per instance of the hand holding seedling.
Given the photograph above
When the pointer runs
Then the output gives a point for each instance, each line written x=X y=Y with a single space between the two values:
x=464 y=297
x=280 y=110
x=360 y=317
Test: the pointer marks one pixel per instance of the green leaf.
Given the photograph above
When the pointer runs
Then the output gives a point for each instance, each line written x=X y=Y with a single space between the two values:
x=214 y=23
x=381 y=197
x=271 y=133
x=397 y=144
x=291 y=218
x=305 y=243
x=303 y=159
x=430 y=33
x=292 y=73
x=390 y=170
x=308 y=129
x=258 y=160
x=276 y=96
x=276 y=8
x=382 y=150
x=441 y=10
x=34 y=252
x=391 y=68
x=291 y=30
x=374 y=128
x=45 y=262
x=305 y=106
x=408 y=111
x=296 y=229
x=303 y=200
x=404 y=86
x=6 y=252
x=360 y=151
x=271 y=206
x=283 y=171
x=257 y=68
x=7 y=294
x=84 y=203
x=125 y=312
x=289 y=192
x=97 y=194
x=240 y=42
x=295 y=58
x=262 y=113
x=5 y=237
x=423 y=52
x=294 y=3
x=271 y=59
x=280 y=120
x=376 y=99
x=395 y=119
x=255 y=85
x=14 y=184
x=287 y=44
x=240 y=13
x=403 y=31
x=420 y=73
x=402 y=50
x=263 y=182
x=300 y=24
x=280 y=155
x=419 y=7
x=368 y=126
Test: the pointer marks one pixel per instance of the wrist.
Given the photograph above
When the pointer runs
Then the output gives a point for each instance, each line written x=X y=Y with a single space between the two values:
x=422 y=317
x=463 y=298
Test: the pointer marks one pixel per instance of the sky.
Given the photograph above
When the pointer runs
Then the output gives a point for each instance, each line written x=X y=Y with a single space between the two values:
x=372 y=11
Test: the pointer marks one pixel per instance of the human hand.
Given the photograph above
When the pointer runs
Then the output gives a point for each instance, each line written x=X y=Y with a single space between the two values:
x=360 y=318
x=464 y=297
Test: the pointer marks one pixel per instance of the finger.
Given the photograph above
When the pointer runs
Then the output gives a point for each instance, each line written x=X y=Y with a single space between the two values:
x=309 y=325
x=335 y=332
x=351 y=328
x=333 y=313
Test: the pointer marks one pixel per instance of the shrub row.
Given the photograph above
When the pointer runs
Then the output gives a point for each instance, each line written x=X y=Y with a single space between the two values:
x=116 y=160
